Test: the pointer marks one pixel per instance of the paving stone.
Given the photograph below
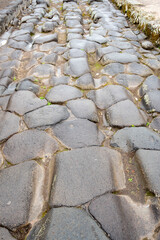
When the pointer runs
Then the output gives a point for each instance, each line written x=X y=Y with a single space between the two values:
x=71 y=36
x=129 y=81
x=4 y=102
x=122 y=218
x=5 y=234
x=134 y=138
x=18 y=33
x=130 y=35
x=15 y=203
x=28 y=85
x=97 y=38
x=77 y=67
x=152 y=63
x=122 y=45
x=155 y=124
x=54 y=81
x=46 y=38
x=119 y=58
x=78 y=133
x=93 y=173
x=62 y=93
x=102 y=51
x=149 y=162
x=84 y=44
x=139 y=69
x=27 y=145
x=124 y=114
x=113 y=69
x=42 y=71
x=26 y=38
x=108 y=96
x=50 y=59
x=47 y=115
x=9 y=124
x=75 y=30
x=83 y=108
x=17 y=45
x=86 y=81
x=151 y=101
x=48 y=27
x=24 y=101
x=73 y=24
x=151 y=83
x=147 y=45
x=76 y=53
x=47 y=46
x=2 y=89
x=60 y=50
x=75 y=224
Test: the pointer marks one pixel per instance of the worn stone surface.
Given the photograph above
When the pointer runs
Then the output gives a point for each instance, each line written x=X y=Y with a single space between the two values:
x=134 y=138
x=28 y=85
x=151 y=83
x=62 y=93
x=155 y=124
x=46 y=38
x=122 y=218
x=42 y=71
x=139 y=69
x=93 y=173
x=77 y=67
x=119 y=58
x=4 y=234
x=113 y=69
x=47 y=115
x=30 y=144
x=54 y=81
x=22 y=102
x=86 y=81
x=129 y=81
x=75 y=223
x=151 y=100
x=78 y=133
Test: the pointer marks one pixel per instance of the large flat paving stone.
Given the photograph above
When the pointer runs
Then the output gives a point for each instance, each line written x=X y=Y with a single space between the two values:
x=124 y=114
x=22 y=102
x=130 y=81
x=155 y=124
x=18 y=185
x=78 y=133
x=47 y=115
x=86 y=81
x=151 y=101
x=124 y=219
x=30 y=144
x=9 y=124
x=149 y=162
x=85 y=173
x=67 y=223
x=84 y=44
x=5 y=234
x=108 y=96
x=42 y=71
x=119 y=58
x=113 y=69
x=83 y=108
x=77 y=67
x=134 y=138
x=139 y=69
x=46 y=38
x=151 y=83
x=62 y=93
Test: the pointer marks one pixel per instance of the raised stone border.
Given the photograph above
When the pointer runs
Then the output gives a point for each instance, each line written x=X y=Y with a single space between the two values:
x=145 y=20
x=11 y=12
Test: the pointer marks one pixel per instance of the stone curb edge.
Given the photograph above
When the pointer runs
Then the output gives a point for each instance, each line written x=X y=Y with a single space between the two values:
x=145 y=20
x=11 y=12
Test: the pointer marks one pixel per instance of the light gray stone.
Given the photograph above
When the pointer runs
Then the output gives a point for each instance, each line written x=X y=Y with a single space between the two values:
x=46 y=38
x=28 y=85
x=48 y=27
x=147 y=45
x=152 y=63
x=47 y=46
x=4 y=102
x=54 y=81
x=4 y=234
x=102 y=51
x=151 y=83
x=155 y=124
x=97 y=38
x=85 y=81
x=77 y=67
x=139 y=69
x=84 y=44
x=42 y=71
x=129 y=81
x=113 y=69
x=151 y=101
x=49 y=59
x=119 y=58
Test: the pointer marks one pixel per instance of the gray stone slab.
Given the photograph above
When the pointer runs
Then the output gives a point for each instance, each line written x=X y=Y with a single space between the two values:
x=30 y=144
x=75 y=224
x=83 y=108
x=17 y=186
x=130 y=35
x=139 y=69
x=113 y=69
x=5 y=234
x=97 y=38
x=22 y=102
x=17 y=45
x=130 y=81
x=134 y=138
x=124 y=114
x=73 y=24
x=9 y=124
x=151 y=101
x=85 y=173
x=54 y=81
x=149 y=162
x=76 y=67
x=155 y=124
x=28 y=85
x=147 y=45
x=49 y=59
x=121 y=44
x=152 y=63
x=24 y=38
x=48 y=27
x=4 y=102
x=47 y=115
x=122 y=218
x=46 y=38
x=76 y=53
x=78 y=133
x=47 y=46
x=151 y=83
x=86 y=81
x=62 y=93
x=119 y=58
x=108 y=96
x=102 y=51
x=84 y=44
x=42 y=71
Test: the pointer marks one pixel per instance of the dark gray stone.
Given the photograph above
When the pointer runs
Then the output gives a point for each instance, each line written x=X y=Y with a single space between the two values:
x=102 y=51
x=9 y=124
x=30 y=144
x=124 y=114
x=119 y=58
x=54 y=81
x=122 y=218
x=113 y=69
x=28 y=85
x=151 y=83
x=85 y=81
x=78 y=133
x=4 y=234
x=75 y=224
x=24 y=38
x=139 y=69
x=108 y=96
x=46 y=38
x=155 y=124
x=77 y=67
x=22 y=102
x=73 y=24
x=42 y=71
x=83 y=108
x=48 y=27
x=129 y=81
x=17 y=45
x=94 y=171
x=75 y=53
x=62 y=93
x=149 y=162
x=131 y=139
x=47 y=115
x=151 y=101
x=50 y=59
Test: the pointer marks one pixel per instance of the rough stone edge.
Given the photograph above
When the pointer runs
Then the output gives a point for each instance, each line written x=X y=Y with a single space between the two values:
x=145 y=20
x=12 y=11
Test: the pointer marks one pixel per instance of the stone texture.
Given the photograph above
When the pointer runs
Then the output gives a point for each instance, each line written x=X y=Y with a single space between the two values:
x=149 y=162
x=78 y=133
x=4 y=102
x=139 y=69
x=54 y=81
x=62 y=93
x=49 y=59
x=147 y=45
x=28 y=85
x=131 y=139
x=86 y=45
x=48 y=27
x=77 y=67
x=113 y=69
x=85 y=173
x=46 y=38
x=124 y=114
x=86 y=81
x=151 y=101
x=129 y=81
x=47 y=115
x=108 y=96
x=4 y=234
x=119 y=58
x=42 y=71
x=9 y=124
x=151 y=83
x=124 y=219
x=102 y=51
x=152 y=63
x=155 y=124
x=83 y=108
x=22 y=102
x=75 y=224
x=27 y=145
